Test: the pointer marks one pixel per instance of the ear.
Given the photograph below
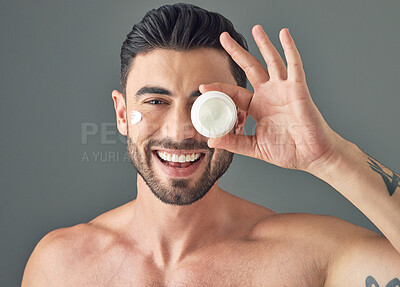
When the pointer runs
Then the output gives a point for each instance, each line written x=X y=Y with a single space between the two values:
x=241 y=120
x=120 y=111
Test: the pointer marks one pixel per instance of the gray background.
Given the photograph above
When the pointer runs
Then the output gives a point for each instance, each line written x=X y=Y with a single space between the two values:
x=60 y=62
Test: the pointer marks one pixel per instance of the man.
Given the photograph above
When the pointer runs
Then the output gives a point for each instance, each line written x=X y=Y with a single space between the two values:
x=184 y=230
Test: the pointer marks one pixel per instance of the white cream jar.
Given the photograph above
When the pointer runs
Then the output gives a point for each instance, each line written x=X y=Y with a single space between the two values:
x=214 y=114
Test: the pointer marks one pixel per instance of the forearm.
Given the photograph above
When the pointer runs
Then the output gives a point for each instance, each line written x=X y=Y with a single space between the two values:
x=370 y=186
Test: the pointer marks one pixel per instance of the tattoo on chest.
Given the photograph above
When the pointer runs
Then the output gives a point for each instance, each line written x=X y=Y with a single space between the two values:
x=391 y=181
x=371 y=282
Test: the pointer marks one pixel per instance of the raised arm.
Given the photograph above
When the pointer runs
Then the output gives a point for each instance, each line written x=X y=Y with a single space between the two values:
x=370 y=186
x=291 y=133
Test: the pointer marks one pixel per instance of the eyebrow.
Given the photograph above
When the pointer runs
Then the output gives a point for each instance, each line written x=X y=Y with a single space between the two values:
x=160 y=91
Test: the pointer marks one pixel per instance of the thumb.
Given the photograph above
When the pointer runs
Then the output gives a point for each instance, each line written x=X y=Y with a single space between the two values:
x=240 y=144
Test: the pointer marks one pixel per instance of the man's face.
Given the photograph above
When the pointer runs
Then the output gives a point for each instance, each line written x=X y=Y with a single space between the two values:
x=162 y=85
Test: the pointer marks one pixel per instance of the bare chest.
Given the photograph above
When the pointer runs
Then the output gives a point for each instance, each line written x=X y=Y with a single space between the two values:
x=236 y=264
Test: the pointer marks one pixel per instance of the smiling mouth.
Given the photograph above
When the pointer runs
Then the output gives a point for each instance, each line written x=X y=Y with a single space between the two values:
x=177 y=160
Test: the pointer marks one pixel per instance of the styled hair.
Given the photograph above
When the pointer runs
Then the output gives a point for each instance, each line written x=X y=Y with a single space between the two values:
x=179 y=27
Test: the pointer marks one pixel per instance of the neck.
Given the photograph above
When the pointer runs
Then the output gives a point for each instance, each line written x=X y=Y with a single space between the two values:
x=171 y=232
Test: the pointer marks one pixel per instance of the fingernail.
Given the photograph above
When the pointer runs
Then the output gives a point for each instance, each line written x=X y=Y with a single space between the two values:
x=227 y=33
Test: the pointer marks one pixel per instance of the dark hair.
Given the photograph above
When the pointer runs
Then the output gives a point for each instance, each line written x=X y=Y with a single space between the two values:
x=179 y=27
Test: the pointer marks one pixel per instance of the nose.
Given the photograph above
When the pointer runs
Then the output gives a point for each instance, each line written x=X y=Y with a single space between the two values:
x=178 y=125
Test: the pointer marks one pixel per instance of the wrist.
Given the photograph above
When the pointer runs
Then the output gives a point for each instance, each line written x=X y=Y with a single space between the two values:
x=339 y=160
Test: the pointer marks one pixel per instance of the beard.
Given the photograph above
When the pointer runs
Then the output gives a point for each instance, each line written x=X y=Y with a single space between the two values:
x=179 y=191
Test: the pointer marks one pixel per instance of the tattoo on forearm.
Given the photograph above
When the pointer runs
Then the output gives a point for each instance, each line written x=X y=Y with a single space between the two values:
x=371 y=282
x=391 y=181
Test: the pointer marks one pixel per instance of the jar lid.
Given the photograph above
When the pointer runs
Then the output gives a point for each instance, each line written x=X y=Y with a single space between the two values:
x=214 y=114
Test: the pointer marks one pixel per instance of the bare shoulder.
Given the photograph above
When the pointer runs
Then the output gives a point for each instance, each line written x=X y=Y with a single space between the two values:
x=298 y=226
x=59 y=249
x=62 y=248
x=322 y=237
x=323 y=230
x=325 y=235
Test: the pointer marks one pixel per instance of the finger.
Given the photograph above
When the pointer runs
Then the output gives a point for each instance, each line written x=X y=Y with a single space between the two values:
x=241 y=96
x=240 y=144
x=294 y=63
x=275 y=64
x=254 y=70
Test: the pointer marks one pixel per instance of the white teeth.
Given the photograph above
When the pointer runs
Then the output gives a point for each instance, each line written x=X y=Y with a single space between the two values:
x=175 y=158
x=178 y=157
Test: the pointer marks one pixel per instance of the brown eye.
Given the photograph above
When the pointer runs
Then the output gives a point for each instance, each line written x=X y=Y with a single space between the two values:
x=155 y=102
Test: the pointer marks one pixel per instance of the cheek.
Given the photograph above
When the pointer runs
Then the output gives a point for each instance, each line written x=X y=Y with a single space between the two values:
x=221 y=158
x=142 y=129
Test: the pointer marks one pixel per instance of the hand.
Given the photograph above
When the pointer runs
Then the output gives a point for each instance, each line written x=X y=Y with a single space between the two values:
x=290 y=131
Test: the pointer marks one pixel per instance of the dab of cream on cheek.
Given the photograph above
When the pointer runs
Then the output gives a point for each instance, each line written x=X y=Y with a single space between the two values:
x=136 y=117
